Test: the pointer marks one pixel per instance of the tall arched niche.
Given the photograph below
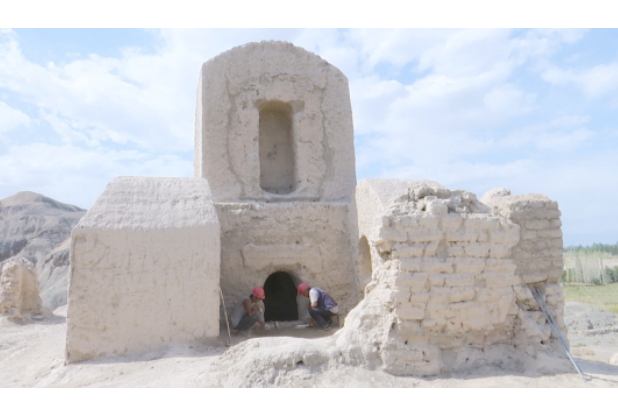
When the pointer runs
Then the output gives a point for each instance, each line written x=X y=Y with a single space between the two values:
x=277 y=154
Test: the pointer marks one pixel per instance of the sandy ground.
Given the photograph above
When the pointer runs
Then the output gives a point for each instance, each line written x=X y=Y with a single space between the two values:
x=32 y=355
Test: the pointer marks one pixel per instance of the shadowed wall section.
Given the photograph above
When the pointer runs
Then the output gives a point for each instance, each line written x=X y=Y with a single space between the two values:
x=276 y=148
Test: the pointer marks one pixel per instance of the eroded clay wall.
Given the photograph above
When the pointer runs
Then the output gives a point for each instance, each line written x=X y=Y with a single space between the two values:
x=451 y=276
x=538 y=255
x=309 y=241
x=19 y=290
x=144 y=269
x=235 y=86
x=137 y=291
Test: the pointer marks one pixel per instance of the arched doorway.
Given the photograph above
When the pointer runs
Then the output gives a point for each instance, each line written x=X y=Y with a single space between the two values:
x=280 y=303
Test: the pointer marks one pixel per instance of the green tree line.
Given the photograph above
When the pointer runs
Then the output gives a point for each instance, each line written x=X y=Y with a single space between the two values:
x=590 y=264
x=611 y=249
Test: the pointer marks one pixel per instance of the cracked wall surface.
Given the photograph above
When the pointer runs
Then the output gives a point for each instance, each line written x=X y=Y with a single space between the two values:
x=304 y=231
x=144 y=269
x=446 y=278
x=19 y=290
x=232 y=88
x=451 y=276
x=309 y=241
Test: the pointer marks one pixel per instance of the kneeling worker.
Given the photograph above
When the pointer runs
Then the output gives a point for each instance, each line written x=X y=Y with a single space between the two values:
x=246 y=312
x=322 y=307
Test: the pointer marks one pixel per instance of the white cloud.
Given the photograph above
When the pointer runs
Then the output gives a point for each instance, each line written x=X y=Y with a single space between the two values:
x=372 y=100
x=469 y=53
x=437 y=118
x=569 y=121
x=542 y=43
x=600 y=79
x=397 y=47
x=561 y=134
x=506 y=100
x=594 y=82
x=462 y=89
x=75 y=175
x=11 y=118
x=455 y=106
x=477 y=177
x=560 y=141
x=145 y=99
x=456 y=52
x=148 y=99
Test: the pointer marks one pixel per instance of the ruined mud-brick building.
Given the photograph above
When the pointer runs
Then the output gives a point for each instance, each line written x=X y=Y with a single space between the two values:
x=441 y=277
x=19 y=290
x=450 y=276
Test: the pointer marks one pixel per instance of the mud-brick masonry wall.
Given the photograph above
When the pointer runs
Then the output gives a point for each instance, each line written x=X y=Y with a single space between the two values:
x=451 y=275
x=274 y=138
x=144 y=269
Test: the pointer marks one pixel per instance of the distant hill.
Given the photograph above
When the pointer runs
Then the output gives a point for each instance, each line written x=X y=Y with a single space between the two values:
x=38 y=228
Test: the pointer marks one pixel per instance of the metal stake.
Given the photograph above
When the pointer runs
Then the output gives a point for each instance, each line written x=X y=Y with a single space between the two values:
x=227 y=323
x=552 y=323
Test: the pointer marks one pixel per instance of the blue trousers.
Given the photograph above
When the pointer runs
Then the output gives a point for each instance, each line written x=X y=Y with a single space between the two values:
x=246 y=322
x=321 y=314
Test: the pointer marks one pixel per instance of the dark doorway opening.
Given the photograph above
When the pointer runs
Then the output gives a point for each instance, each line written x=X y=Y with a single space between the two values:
x=280 y=302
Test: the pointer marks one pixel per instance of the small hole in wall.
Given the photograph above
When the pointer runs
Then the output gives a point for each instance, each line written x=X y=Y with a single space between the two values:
x=299 y=362
x=406 y=342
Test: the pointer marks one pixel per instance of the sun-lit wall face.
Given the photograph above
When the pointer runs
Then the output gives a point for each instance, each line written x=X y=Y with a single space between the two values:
x=274 y=124
x=148 y=277
x=364 y=262
x=274 y=139
x=277 y=155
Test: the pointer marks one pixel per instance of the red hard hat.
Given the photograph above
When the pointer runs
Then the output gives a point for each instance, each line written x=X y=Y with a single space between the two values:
x=302 y=288
x=258 y=292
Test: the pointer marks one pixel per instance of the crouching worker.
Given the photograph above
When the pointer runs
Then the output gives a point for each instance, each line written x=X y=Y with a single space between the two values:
x=246 y=312
x=321 y=306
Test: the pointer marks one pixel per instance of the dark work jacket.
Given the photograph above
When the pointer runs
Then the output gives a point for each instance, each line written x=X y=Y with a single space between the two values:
x=324 y=300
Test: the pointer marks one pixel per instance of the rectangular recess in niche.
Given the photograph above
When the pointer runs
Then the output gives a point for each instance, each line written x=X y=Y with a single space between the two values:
x=276 y=140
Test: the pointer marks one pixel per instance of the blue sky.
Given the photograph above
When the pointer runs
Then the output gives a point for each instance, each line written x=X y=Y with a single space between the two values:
x=534 y=111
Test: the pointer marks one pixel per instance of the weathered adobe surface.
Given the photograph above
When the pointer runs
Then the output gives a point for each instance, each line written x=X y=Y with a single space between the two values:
x=305 y=231
x=38 y=228
x=449 y=289
x=19 y=290
x=448 y=275
x=144 y=269
x=452 y=275
x=232 y=88
x=309 y=241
